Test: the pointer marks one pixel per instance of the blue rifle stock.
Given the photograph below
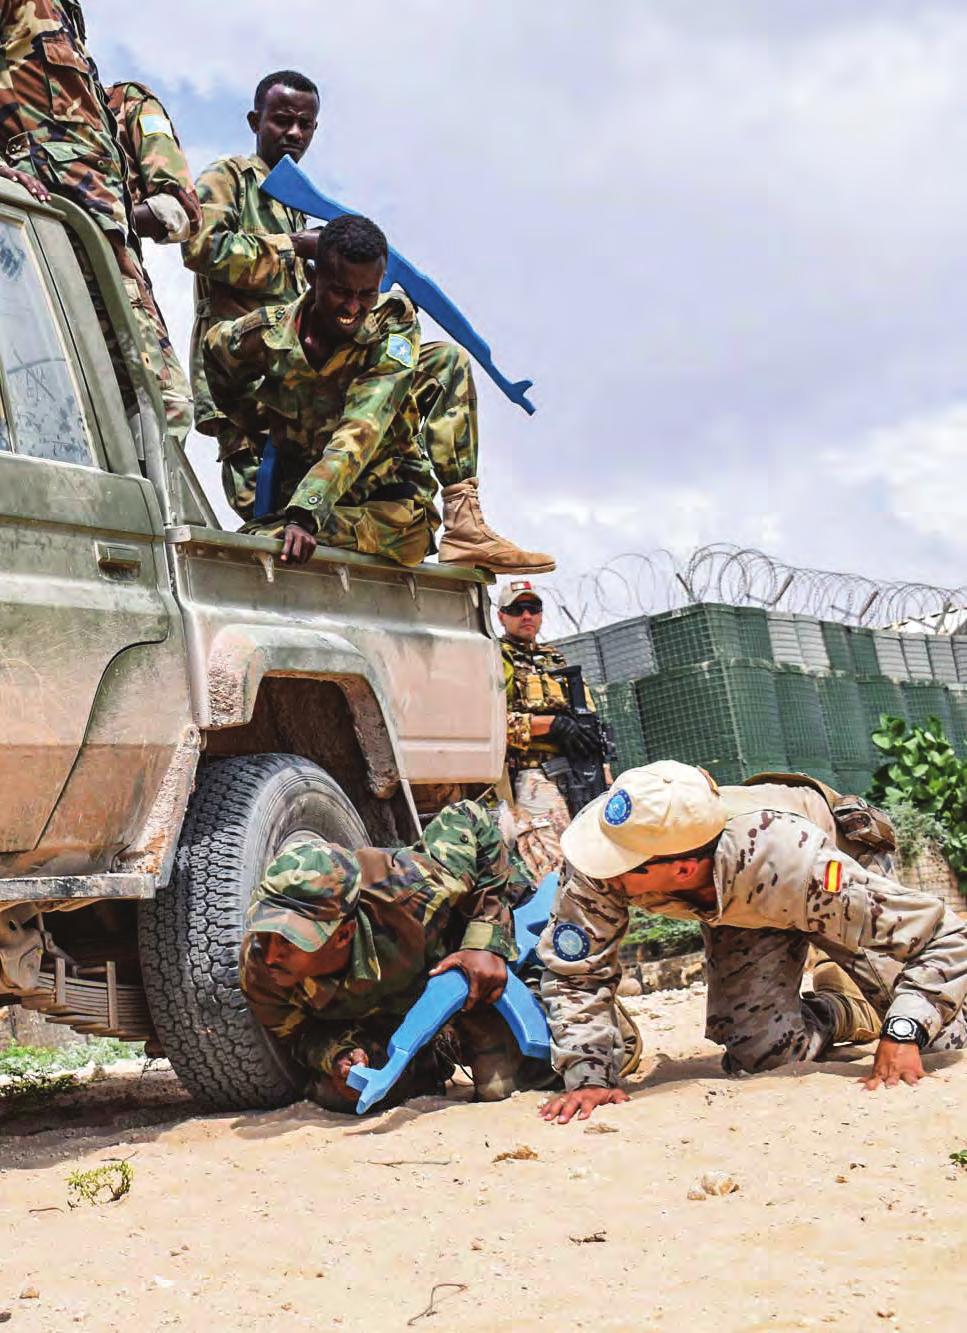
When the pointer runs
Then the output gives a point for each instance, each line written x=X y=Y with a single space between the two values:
x=265 y=484
x=289 y=184
x=447 y=993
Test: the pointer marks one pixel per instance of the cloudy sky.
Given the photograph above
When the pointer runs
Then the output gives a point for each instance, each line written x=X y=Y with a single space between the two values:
x=726 y=238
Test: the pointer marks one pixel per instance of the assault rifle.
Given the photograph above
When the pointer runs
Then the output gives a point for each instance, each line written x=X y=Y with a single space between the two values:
x=581 y=777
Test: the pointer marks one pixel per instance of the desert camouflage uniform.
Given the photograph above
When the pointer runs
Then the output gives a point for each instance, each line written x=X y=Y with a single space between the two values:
x=243 y=259
x=155 y=164
x=350 y=460
x=905 y=950
x=453 y=890
x=55 y=124
x=540 y=811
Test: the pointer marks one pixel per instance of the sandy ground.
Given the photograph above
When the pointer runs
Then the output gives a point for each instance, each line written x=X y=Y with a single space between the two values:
x=849 y=1213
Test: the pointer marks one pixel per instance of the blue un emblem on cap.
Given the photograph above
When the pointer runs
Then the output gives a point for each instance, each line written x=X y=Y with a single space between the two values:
x=618 y=808
x=571 y=943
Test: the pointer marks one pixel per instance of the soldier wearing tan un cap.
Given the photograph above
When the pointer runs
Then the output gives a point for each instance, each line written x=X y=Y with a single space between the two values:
x=764 y=884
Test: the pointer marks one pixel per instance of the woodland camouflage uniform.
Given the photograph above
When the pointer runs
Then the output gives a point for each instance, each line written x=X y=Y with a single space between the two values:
x=413 y=907
x=55 y=124
x=351 y=463
x=155 y=164
x=781 y=883
x=155 y=161
x=243 y=260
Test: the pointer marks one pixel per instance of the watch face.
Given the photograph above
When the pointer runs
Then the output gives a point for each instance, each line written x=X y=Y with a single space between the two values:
x=902 y=1029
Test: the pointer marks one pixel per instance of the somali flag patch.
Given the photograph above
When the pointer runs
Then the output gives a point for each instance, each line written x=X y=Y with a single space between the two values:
x=152 y=123
x=400 y=349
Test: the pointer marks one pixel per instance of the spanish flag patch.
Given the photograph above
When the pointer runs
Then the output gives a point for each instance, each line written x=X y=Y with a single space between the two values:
x=833 y=878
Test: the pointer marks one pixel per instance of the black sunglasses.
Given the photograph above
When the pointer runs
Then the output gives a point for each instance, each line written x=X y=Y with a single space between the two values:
x=518 y=608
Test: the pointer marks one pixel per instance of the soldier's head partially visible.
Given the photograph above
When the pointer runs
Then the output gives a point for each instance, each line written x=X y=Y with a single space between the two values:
x=350 y=264
x=520 y=610
x=654 y=832
x=285 y=115
x=303 y=913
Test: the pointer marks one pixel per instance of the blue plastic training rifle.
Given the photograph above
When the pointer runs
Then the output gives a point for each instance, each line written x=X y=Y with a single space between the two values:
x=290 y=185
x=447 y=993
x=265 y=485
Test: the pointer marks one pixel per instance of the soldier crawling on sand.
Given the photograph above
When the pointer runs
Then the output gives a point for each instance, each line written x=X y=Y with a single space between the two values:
x=765 y=884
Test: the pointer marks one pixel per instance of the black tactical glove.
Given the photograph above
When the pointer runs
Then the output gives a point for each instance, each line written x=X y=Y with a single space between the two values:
x=570 y=739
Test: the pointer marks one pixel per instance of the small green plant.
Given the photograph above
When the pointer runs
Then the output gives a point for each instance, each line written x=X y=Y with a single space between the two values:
x=959 y=1158
x=30 y=1089
x=922 y=771
x=662 y=936
x=103 y=1184
x=915 y=829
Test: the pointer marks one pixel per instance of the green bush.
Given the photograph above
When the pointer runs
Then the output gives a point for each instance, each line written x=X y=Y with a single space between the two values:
x=17 y=1059
x=922 y=773
x=662 y=936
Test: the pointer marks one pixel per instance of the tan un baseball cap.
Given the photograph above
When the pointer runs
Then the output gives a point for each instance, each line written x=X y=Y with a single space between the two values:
x=516 y=591
x=657 y=810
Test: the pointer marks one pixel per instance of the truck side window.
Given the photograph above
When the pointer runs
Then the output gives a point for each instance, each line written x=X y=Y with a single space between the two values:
x=42 y=415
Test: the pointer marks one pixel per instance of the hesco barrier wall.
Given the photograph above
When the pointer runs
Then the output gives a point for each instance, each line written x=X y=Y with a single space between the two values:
x=741 y=690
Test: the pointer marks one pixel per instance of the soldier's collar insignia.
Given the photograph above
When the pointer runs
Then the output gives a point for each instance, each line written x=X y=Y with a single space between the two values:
x=571 y=943
x=833 y=876
x=618 y=809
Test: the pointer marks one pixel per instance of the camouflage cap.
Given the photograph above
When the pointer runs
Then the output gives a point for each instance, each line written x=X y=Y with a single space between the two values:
x=308 y=890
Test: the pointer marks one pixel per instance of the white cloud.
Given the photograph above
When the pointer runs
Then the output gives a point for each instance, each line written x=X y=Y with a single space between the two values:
x=919 y=467
x=725 y=239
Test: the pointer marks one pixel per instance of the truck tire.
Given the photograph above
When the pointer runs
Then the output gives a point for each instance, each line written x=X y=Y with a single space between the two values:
x=242 y=812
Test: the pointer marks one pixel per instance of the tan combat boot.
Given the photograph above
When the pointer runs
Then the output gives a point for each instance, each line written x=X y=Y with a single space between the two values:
x=467 y=539
x=856 y=1019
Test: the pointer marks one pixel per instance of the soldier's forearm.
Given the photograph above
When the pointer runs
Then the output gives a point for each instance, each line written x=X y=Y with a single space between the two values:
x=250 y=263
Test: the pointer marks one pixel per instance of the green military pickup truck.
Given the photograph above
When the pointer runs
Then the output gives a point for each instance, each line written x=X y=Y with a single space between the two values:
x=174 y=704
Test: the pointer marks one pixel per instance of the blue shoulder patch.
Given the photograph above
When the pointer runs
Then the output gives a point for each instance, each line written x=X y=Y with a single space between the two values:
x=571 y=942
x=400 y=349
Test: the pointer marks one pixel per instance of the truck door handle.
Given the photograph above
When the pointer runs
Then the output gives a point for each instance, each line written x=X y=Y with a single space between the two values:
x=114 y=558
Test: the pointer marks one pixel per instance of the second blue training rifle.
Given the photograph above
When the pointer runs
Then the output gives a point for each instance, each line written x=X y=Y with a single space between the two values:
x=447 y=993
x=290 y=185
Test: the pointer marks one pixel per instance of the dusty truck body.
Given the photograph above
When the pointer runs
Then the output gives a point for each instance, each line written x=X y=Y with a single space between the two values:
x=175 y=705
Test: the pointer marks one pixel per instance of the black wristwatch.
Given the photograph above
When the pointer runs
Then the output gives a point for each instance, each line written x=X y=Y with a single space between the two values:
x=905 y=1030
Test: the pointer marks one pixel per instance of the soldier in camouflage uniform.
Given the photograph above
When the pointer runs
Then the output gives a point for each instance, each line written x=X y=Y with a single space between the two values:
x=537 y=729
x=249 y=254
x=765 y=884
x=339 y=945
x=331 y=377
x=55 y=126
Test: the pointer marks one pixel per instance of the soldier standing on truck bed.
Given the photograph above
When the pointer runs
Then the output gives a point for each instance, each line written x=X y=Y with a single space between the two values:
x=339 y=945
x=764 y=883
x=539 y=728
x=55 y=126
